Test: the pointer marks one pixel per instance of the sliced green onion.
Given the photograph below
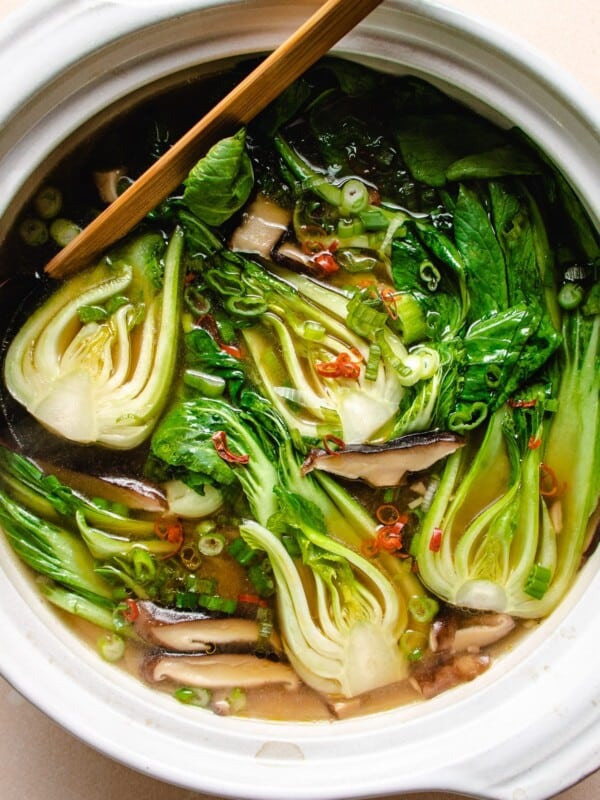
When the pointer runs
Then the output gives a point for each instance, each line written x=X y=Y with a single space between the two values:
x=374 y=220
x=373 y=361
x=144 y=566
x=206 y=526
x=241 y=551
x=411 y=319
x=430 y=275
x=570 y=296
x=33 y=231
x=207 y=384
x=346 y=228
x=63 y=231
x=225 y=283
x=214 y=602
x=413 y=644
x=423 y=608
x=468 y=418
x=48 y=202
x=363 y=319
x=313 y=331
x=193 y=696
x=355 y=197
x=111 y=646
x=538 y=581
x=211 y=544
x=246 y=306
x=187 y=601
x=195 y=301
x=493 y=376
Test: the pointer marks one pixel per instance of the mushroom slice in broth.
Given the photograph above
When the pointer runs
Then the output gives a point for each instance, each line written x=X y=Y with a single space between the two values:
x=203 y=632
x=386 y=464
x=220 y=671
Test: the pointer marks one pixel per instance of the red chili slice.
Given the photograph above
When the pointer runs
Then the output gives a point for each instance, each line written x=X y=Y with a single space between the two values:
x=548 y=481
x=435 y=542
x=326 y=262
x=232 y=350
x=342 y=366
x=522 y=403
x=169 y=530
x=219 y=440
x=132 y=612
x=330 y=439
x=388 y=297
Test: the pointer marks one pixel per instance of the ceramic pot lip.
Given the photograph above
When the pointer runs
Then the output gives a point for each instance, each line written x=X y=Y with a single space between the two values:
x=475 y=739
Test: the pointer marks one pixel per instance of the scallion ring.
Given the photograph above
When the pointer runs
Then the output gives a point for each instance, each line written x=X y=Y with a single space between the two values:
x=246 y=306
x=211 y=544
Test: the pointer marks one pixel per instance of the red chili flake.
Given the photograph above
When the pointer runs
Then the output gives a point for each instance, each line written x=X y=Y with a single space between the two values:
x=534 y=442
x=189 y=278
x=549 y=486
x=132 y=612
x=365 y=283
x=231 y=349
x=219 y=439
x=342 y=366
x=252 y=600
x=374 y=197
x=169 y=530
x=388 y=297
x=522 y=403
x=436 y=540
x=389 y=537
x=370 y=548
x=338 y=444
x=326 y=262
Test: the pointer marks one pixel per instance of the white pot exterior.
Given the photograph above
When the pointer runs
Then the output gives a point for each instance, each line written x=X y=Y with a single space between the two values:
x=523 y=731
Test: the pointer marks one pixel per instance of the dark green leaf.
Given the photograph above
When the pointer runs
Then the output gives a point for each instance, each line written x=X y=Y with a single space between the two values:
x=221 y=182
x=482 y=255
x=430 y=144
x=495 y=163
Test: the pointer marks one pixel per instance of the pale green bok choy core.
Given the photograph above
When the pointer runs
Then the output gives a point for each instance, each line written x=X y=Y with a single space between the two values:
x=95 y=362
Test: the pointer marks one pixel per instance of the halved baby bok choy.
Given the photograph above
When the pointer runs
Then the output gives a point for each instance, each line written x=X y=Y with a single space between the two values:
x=517 y=549
x=311 y=529
x=95 y=362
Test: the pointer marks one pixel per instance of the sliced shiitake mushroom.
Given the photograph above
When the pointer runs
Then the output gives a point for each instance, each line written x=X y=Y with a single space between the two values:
x=385 y=464
x=203 y=632
x=220 y=671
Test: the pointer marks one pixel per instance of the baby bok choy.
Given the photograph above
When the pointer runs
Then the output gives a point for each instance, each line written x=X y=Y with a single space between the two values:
x=519 y=548
x=342 y=617
x=345 y=641
x=81 y=547
x=95 y=362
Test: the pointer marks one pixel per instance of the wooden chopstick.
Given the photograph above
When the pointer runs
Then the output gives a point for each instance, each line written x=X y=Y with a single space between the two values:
x=312 y=40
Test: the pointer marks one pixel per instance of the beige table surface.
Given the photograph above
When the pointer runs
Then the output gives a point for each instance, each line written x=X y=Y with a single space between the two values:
x=39 y=760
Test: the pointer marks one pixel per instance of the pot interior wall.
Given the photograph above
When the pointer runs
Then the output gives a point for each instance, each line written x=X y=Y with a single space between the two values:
x=91 y=88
